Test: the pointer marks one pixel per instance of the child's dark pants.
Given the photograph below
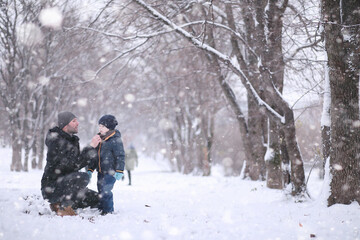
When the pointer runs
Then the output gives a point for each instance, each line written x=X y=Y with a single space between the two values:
x=105 y=184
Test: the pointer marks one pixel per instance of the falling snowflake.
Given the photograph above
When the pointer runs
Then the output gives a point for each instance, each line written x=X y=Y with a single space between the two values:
x=82 y=102
x=129 y=97
x=51 y=17
x=338 y=167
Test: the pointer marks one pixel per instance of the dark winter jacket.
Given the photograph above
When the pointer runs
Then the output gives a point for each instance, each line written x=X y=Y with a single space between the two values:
x=111 y=155
x=63 y=157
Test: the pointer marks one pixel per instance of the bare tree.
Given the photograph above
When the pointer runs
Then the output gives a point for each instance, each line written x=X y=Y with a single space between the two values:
x=269 y=100
x=40 y=63
x=13 y=72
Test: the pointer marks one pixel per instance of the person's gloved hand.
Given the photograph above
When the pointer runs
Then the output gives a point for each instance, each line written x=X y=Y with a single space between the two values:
x=118 y=175
x=89 y=173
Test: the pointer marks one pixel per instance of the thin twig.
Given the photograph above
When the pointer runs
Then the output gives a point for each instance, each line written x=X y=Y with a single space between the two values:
x=306 y=93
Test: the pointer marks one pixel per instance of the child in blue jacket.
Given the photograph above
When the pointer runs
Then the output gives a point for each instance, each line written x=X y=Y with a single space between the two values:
x=110 y=162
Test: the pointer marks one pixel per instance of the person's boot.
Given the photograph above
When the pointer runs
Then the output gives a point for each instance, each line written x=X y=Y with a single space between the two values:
x=54 y=207
x=62 y=211
x=66 y=211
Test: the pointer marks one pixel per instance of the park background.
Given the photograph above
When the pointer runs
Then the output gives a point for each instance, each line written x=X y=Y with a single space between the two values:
x=233 y=100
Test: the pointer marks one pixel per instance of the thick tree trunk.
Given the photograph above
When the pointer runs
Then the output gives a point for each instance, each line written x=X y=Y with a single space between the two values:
x=273 y=159
x=35 y=112
x=206 y=167
x=285 y=159
x=34 y=151
x=170 y=150
x=326 y=144
x=188 y=165
x=189 y=158
x=26 y=157
x=44 y=114
x=341 y=27
x=256 y=168
x=297 y=165
x=255 y=164
x=41 y=149
x=344 y=157
x=209 y=132
x=26 y=138
x=275 y=62
x=16 y=164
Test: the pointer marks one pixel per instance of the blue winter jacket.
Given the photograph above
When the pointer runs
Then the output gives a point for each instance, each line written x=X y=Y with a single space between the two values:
x=111 y=155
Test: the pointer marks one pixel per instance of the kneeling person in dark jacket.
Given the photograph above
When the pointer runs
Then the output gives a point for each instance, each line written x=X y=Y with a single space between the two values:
x=110 y=163
x=62 y=184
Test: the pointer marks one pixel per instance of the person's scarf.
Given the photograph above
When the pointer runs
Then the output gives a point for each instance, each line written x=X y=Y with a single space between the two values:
x=103 y=137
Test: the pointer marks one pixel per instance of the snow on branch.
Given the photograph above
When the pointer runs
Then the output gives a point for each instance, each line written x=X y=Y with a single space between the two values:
x=231 y=63
x=310 y=45
x=307 y=92
x=236 y=34
x=107 y=34
x=101 y=12
x=215 y=8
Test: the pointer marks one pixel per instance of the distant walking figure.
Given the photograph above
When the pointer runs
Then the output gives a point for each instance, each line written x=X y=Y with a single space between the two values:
x=131 y=159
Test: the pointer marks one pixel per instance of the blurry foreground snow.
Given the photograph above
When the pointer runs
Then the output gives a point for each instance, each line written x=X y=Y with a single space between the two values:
x=165 y=205
x=51 y=17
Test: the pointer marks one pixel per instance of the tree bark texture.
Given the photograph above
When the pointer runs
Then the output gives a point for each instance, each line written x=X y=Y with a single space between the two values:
x=325 y=124
x=285 y=159
x=296 y=164
x=255 y=165
x=341 y=21
x=274 y=171
x=256 y=119
x=16 y=145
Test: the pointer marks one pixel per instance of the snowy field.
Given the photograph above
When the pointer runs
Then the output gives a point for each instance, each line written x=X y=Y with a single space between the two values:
x=164 y=205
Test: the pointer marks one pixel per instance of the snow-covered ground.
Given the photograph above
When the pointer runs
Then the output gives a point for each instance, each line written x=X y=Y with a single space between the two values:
x=164 y=205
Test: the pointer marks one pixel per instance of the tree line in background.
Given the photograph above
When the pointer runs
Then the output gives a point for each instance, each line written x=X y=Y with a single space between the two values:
x=201 y=82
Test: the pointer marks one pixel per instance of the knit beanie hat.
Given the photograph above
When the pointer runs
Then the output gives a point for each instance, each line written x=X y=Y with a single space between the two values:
x=64 y=118
x=108 y=121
